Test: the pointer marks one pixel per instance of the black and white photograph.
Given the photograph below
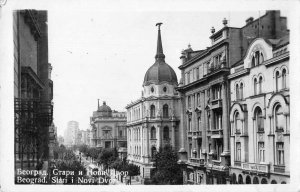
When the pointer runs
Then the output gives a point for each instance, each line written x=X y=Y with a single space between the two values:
x=116 y=95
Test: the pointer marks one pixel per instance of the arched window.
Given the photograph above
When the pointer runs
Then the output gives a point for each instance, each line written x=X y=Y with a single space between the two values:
x=237 y=93
x=255 y=86
x=277 y=80
x=248 y=179
x=253 y=62
x=255 y=180
x=241 y=91
x=259 y=120
x=165 y=111
x=153 y=133
x=237 y=123
x=261 y=59
x=257 y=62
x=260 y=85
x=279 y=118
x=273 y=182
x=166 y=133
x=240 y=179
x=152 y=111
x=264 y=181
x=283 y=79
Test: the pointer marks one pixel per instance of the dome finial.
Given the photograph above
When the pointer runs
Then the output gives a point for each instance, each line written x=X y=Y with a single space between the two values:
x=159 y=52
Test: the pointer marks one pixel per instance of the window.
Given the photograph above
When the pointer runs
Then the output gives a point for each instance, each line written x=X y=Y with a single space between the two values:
x=255 y=86
x=199 y=123
x=279 y=118
x=153 y=152
x=241 y=91
x=165 y=111
x=237 y=123
x=120 y=133
x=280 y=153
x=238 y=151
x=190 y=124
x=261 y=59
x=152 y=111
x=237 y=94
x=198 y=99
x=260 y=85
x=165 y=89
x=197 y=73
x=189 y=102
x=283 y=79
x=153 y=133
x=166 y=133
x=277 y=80
x=217 y=60
x=261 y=151
x=259 y=120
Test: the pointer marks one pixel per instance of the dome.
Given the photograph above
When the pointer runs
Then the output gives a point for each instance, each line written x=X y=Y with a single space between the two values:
x=160 y=71
x=104 y=110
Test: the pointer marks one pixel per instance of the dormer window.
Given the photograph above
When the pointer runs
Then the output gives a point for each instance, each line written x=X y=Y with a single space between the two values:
x=257 y=59
x=165 y=89
x=152 y=90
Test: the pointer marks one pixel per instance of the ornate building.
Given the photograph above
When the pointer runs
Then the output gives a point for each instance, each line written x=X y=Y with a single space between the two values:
x=153 y=120
x=108 y=127
x=206 y=97
x=260 y=114
x=33 y=89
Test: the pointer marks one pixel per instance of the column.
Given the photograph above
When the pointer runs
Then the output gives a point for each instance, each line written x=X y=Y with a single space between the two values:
x=173 y=134
x=204 y=122
x=225 y=120
x=158 y=137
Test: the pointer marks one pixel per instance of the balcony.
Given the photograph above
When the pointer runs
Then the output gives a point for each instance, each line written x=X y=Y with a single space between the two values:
x=197 y=134
x=122 y=137
x=217 y=103
x=197 y=162
x=217 y=133
x=256 y=167
x=190 y=134
x=237 y=164
x=279 y=168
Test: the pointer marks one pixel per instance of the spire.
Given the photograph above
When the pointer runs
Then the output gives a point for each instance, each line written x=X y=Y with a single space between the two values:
x=159 y=52
x=98 y=104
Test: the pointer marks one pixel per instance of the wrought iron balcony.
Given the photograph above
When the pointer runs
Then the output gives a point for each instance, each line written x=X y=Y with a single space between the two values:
x=279 y=168
x=197 y=161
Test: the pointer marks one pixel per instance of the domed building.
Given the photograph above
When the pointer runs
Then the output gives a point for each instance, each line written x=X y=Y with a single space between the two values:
x=108 y=127
x=153 y=120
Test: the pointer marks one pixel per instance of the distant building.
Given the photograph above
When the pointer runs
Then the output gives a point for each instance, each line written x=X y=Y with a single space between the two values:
x=153 y=120
x=70 y=134
x=33 y=89
x=108 y=128
x=60 y=140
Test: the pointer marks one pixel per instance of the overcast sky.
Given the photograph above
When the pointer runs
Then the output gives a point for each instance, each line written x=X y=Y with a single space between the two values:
x=101 y=52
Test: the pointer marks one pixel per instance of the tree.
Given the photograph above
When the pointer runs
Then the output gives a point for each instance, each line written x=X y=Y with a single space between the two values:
x=107 y=157
x=132 y=169
x=168 y=171
x=83 y=148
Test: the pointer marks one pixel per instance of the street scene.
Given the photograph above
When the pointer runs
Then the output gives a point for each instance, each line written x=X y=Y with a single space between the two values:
x=147 y=99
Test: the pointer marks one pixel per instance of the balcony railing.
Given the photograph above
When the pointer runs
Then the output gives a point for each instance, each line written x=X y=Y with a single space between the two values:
x=217 y=133
x=217 y=103
x=255 y=167
x=216 y=162
x=197 y=161
x=190 y=134
x=279 y=168
x=237 y=164
x=197 y=133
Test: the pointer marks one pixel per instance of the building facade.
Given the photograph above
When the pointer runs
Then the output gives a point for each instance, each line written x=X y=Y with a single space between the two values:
x=206 y=97
x=260 y=114
x=33 y=89
x=108 y=128
x=153 y=120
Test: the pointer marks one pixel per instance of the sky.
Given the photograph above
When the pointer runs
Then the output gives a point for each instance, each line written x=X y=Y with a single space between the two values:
x=104 y=53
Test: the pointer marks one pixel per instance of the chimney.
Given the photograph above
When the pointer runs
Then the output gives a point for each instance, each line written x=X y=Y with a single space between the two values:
x=249 y=20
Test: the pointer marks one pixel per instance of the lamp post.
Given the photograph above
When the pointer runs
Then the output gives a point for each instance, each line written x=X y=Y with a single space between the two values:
x=80 y=157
